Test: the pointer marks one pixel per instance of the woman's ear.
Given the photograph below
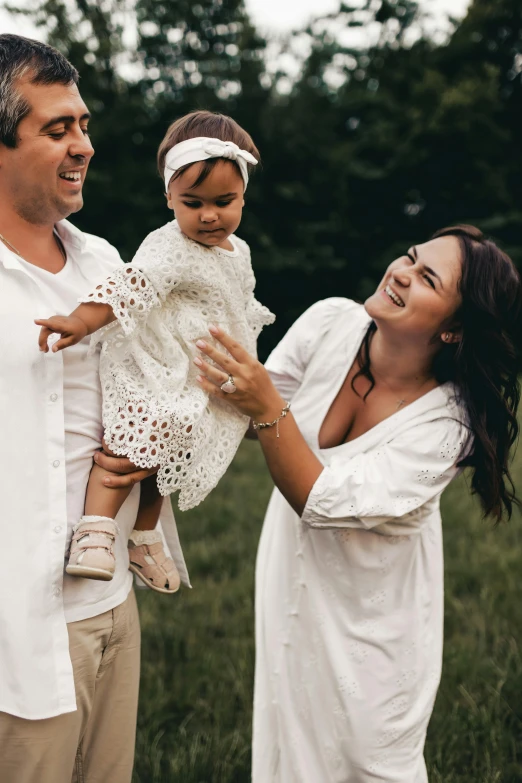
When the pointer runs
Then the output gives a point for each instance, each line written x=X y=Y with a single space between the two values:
x=453 y=336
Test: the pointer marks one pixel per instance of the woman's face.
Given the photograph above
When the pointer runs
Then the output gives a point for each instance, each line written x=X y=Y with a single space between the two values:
x=419 y=294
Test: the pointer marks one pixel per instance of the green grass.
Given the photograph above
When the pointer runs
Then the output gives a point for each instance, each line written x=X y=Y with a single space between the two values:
x=198 y=646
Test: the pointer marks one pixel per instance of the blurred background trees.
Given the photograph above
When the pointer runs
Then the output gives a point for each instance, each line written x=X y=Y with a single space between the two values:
x=371 y=148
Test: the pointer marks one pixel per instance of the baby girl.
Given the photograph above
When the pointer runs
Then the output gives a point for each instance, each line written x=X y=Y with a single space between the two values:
x=188 y=274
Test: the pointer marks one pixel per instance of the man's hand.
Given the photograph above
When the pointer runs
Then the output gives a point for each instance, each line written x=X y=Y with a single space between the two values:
x=71 y=328
x=128 y=474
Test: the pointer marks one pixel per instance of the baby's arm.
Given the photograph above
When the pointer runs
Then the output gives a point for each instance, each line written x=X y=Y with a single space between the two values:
x=86 y=319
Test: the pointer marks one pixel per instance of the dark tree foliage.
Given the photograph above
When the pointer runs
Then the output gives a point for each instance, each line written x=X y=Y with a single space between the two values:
x=375 y=146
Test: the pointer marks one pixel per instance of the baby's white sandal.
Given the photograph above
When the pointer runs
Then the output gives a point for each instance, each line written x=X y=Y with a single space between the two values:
x=91 y=553
x=149 y=561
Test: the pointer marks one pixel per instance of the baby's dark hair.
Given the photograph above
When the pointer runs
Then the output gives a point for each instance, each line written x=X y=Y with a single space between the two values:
x=205 y=123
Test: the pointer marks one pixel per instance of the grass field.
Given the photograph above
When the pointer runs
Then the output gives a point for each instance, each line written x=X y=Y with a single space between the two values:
x=198 y=649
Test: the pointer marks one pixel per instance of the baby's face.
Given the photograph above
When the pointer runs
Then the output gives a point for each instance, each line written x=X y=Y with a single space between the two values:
x=211 y=212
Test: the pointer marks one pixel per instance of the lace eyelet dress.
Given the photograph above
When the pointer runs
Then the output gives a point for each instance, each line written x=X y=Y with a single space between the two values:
x=154 y=412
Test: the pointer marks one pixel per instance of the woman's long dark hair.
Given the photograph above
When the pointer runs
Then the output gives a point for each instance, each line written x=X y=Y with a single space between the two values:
x=484 y=365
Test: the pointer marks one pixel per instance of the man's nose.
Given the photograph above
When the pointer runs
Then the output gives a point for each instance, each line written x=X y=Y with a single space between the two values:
x=81 y=146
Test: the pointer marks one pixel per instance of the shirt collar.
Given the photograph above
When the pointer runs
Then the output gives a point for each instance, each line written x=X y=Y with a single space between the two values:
x=69 y=234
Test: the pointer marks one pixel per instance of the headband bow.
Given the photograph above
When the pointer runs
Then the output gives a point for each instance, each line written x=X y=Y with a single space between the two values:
x=203 y=148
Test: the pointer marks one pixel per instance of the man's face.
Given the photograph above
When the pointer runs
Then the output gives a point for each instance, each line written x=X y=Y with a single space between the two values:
x=42 y=177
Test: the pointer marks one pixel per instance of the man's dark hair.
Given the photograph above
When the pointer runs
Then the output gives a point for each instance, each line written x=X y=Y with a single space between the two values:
x=40 y=64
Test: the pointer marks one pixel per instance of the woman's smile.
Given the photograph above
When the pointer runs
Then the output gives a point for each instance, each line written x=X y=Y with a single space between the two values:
x=392 y=296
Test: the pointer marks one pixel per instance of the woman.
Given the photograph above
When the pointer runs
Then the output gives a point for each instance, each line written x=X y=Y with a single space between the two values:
x=389 y=401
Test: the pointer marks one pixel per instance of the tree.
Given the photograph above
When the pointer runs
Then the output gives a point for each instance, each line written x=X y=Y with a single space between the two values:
x=379 y=141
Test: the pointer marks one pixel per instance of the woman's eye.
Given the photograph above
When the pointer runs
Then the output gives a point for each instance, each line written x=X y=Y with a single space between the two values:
x=192 y=204
x=429 y=280
x=85 y=131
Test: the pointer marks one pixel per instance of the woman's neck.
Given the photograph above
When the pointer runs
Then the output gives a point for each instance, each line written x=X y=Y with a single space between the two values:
x=400 y=363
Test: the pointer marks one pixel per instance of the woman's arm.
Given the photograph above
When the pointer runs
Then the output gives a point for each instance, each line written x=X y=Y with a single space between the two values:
x=86 y=319
x=378 y=489
x=292 y=464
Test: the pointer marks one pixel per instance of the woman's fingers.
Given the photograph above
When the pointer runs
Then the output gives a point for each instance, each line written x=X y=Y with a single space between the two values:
x=228 y=363
x=213 y=373
x=234 y=348
x=212 y=389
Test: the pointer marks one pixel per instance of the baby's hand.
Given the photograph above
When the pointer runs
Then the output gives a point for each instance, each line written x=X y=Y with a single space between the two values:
x=71 y=329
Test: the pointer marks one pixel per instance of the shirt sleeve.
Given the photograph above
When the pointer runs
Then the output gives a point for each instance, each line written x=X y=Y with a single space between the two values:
x=133 y=290
x=289 y=360
x=386 y=487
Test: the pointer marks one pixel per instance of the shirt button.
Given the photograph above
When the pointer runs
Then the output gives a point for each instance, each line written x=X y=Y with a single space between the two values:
x=57 y=529
x=56 y=463
x=57 y=591
x=53 y=397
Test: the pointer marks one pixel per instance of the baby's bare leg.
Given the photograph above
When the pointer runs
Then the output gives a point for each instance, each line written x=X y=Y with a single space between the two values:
x=101 y=500
x=150 y=505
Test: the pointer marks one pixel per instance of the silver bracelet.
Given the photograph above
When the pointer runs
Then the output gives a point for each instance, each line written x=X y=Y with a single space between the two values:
x=261 y=425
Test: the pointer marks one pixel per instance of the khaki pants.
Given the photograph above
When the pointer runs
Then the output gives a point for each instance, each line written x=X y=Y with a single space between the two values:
x=95 y=744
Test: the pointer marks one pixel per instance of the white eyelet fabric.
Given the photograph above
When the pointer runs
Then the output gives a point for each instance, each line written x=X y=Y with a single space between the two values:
x=154 y=412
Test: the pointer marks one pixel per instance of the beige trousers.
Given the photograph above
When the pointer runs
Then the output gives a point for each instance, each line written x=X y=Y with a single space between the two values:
x=95 y=744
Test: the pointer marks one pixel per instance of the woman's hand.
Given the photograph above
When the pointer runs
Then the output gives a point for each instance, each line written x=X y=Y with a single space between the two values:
x=255 y=395
x=293 y=465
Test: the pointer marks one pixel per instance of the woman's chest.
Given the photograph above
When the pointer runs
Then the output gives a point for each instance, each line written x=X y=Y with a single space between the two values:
x=331 y=412
x=357 y=408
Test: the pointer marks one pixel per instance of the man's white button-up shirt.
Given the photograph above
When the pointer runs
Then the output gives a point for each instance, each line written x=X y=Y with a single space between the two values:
x=50 y=409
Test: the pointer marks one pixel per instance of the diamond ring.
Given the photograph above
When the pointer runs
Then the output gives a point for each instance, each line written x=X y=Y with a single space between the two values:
x=228 y=386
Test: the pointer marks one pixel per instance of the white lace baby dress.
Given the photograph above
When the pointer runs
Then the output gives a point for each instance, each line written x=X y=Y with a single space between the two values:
x=154 y=411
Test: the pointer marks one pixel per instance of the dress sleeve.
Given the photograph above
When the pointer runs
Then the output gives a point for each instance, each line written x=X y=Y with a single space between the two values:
x=257 y=315
x=134 y=289
x=288 y=361
x=386 y=487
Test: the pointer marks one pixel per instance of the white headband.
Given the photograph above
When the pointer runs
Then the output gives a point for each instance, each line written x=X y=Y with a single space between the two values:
x=203 y=148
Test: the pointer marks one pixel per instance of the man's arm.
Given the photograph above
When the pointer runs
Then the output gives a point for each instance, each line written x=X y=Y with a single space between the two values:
x=129 y=474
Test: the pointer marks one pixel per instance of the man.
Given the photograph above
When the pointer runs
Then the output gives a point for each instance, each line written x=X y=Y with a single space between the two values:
x=69 y=647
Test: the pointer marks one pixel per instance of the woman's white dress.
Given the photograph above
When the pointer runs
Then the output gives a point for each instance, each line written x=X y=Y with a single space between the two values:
x=154 y=412
x=349 y=598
